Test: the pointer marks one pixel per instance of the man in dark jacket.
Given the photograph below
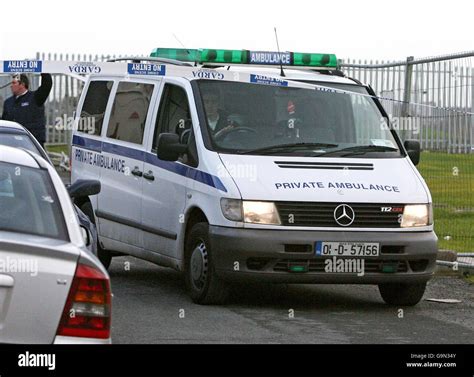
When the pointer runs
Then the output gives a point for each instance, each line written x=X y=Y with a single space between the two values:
x=26 y=107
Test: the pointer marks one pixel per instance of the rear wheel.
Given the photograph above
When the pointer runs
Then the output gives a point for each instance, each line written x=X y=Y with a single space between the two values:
x=402 y=294
x=104 y=256
x=204 y=286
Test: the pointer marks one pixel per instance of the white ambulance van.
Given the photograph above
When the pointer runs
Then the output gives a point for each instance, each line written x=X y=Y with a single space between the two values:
x=244 y=174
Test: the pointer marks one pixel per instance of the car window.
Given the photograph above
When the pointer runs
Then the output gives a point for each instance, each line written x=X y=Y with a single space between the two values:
x=173 y=115
x=93 y=110
x=129 y=112
x=17 y=140
x=29 y=203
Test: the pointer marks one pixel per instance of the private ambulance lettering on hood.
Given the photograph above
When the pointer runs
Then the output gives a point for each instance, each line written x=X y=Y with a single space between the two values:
x=335 y=185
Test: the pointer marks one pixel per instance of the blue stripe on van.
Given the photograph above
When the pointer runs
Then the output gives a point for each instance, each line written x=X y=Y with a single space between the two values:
x=93 y=145
x=123 y=151
x=186 y=171
x=174 y=167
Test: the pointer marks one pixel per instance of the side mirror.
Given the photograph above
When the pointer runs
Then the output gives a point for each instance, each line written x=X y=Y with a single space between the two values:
x=86 y=235
x=169 y=148
x=83 y=188
x=413 y=150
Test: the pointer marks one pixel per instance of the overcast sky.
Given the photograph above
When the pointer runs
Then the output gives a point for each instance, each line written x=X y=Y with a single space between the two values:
x=365 y=29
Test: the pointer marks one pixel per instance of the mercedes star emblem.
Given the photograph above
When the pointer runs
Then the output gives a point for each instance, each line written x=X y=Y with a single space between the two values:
x=344 y=215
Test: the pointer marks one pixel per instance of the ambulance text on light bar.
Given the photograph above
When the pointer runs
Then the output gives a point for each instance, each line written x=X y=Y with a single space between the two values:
x=213 y=56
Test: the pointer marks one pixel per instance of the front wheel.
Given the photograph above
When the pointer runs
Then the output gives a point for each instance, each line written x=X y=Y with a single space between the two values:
x=402 y=294
x=204 y=286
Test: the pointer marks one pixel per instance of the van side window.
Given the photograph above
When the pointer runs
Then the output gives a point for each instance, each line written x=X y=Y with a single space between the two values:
x=173 y=115
x=129 y=112
x=93 y=110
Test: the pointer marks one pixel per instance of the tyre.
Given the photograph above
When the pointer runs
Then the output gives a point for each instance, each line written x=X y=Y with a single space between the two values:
x=104 y=256
x=203 y=284
x=402 y=294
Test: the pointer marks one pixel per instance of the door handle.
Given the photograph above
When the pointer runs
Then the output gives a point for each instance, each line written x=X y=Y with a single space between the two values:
x=149 y=176
x=137 y=172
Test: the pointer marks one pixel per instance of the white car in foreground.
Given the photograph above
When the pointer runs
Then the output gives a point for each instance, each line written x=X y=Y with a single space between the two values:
x=52 y=289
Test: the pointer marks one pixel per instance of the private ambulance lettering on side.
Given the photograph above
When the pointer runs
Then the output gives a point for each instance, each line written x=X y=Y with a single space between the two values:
x=97 y=159
x=336 y=185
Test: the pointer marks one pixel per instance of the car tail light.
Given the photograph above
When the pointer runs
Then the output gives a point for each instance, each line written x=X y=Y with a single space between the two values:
x=87 y=312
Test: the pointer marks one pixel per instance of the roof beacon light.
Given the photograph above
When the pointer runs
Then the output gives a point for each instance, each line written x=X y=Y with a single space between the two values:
x=226 y=57
x=181 y=54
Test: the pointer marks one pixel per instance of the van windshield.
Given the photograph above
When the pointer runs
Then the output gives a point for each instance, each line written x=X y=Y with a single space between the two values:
x=273 y=120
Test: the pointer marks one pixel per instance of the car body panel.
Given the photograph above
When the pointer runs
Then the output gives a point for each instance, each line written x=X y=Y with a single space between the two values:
x=36 y=272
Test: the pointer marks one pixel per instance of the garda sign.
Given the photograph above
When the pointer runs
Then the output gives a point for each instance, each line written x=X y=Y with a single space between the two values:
x=84 y=67
x=272 y=58
x=208 y=74
x=148 y=69
x=265 y=80
x=22 y=66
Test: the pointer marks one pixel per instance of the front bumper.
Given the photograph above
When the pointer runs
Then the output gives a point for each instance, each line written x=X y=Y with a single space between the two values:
x=241 y=254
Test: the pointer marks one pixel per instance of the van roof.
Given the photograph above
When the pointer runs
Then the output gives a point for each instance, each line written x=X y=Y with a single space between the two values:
x=188 y=73
x=293 y=74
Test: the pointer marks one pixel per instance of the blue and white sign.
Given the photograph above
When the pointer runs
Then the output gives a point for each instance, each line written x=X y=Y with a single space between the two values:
x=260 y=79
x=148 y=69
x=22 y=66
x=273 y=58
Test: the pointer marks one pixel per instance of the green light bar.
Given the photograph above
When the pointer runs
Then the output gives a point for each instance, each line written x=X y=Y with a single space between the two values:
x=314 y=60
x=224 y=56
x=181 y=54
x=203 y=56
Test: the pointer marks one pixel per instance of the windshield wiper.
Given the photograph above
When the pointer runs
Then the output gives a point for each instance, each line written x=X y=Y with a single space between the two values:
x=287 y=147
x=361 y=149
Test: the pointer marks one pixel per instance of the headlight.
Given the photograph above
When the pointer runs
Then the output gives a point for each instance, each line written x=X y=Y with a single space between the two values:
x=250 y=211
x=260 y=213
x=232 y=209
x=417 y=215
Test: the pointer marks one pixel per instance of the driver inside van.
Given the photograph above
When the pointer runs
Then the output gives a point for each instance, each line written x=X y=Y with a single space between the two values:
x=219 y=121
x=216 y=118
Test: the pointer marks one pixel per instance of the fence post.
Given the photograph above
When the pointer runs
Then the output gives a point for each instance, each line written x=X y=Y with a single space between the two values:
x=471 y=117
x=407 y=91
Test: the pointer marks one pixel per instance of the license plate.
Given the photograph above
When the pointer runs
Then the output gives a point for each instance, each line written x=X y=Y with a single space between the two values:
x=342 y=249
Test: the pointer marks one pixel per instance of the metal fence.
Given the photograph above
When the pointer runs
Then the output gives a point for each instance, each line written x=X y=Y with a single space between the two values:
x=436 y=94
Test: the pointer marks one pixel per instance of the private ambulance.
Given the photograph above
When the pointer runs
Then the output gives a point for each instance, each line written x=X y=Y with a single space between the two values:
x=237 y=165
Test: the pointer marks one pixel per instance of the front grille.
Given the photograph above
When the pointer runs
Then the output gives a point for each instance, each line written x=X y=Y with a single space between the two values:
x=318 y=265
x=321 y=214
